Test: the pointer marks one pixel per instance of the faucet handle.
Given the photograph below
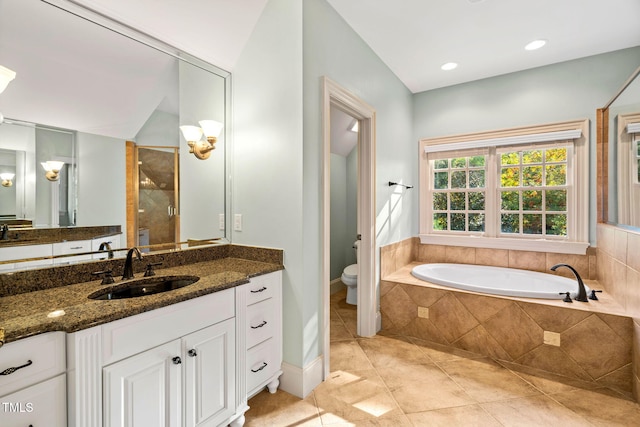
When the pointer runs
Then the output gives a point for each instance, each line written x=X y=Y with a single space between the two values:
x=593 y=294
x=567 y=296
x=107 y=276
x=149 y=269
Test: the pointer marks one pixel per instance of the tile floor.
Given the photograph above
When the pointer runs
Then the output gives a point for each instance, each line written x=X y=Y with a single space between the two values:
x=397 y=381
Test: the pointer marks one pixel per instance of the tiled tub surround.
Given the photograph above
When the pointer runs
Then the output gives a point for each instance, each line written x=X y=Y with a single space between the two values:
x=619 y=272
x=596 y=338
x=27 y=298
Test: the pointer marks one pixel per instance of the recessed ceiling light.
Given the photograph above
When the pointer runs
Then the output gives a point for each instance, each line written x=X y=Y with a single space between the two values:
x=536 y=44
x=449 y=66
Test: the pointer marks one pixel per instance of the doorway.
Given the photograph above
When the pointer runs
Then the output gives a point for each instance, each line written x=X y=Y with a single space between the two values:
x=155 y=194
x=336 y=96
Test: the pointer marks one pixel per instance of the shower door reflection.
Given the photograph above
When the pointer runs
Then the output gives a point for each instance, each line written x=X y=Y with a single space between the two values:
x=158 y=210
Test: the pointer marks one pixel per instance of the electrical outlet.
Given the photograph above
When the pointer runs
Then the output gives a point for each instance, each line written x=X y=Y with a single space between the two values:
x=423 y=312
x=552 y=338
x=237 y=222
x=221 y=221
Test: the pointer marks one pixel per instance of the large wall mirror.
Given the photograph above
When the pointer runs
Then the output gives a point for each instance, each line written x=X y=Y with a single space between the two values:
x=619 y=156
x=103 y=87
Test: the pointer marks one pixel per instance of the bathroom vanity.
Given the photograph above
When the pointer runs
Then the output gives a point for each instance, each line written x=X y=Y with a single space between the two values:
x=187 y=357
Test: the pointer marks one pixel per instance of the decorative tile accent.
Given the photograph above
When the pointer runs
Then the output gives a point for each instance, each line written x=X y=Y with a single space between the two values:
x=451 y=318
x=515 y=331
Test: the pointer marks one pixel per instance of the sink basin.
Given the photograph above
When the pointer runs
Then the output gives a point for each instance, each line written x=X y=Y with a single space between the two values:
x=144 y=286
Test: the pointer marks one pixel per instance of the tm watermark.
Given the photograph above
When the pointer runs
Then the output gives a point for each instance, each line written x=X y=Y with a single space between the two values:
x=16 y=407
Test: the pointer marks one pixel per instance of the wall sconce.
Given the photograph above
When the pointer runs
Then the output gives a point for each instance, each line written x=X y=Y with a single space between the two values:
x=52 y=169
x=7 y=179
x=193 y=134
x=6 y=75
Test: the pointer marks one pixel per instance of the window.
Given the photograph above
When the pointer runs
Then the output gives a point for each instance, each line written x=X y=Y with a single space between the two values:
x=523 y=191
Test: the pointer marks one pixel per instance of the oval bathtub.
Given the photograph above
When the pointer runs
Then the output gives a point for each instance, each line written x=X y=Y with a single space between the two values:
x=497 y=280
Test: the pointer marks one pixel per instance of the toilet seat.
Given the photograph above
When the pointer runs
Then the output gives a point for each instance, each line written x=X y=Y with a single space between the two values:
x=351 y=271
x=350 y=278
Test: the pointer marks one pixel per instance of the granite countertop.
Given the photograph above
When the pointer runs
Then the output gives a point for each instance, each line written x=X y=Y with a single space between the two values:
x=32 y=313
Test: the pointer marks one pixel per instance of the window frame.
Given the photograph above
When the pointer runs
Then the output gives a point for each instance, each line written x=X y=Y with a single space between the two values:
x=577 y=132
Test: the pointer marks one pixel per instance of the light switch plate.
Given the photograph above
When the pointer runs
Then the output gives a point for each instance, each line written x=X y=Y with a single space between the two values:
x=237 y=222
x=221 y=221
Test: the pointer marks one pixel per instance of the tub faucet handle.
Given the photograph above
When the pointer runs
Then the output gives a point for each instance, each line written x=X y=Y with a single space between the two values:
x=593 y=294
x=567 y=296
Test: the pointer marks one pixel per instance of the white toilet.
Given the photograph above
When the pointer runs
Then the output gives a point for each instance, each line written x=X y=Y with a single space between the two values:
x=350 y=278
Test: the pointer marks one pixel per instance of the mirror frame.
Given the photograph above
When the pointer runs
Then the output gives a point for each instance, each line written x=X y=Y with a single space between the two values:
x=602 y=153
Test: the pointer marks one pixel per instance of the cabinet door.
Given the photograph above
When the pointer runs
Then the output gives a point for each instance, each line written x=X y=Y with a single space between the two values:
x=210 y=374
x=43 y=404
x=145 y=389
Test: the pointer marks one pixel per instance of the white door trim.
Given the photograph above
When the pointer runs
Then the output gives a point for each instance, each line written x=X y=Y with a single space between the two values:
x=334 y=94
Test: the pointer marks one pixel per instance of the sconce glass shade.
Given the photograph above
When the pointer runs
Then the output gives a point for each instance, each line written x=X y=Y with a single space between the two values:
x=211 y=128
x=191 y=133
x=52 y=169
x=7 y=179
x=6 y=75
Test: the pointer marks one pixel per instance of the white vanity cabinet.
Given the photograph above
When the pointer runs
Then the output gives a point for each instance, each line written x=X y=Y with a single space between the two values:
x=68 y=249
x=33 y=384
x=148 y=388
x=173 y=366
x=10 y=253
x=259 y=319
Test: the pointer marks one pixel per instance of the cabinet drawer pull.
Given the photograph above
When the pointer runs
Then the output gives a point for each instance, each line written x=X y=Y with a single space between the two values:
x=176 y=360
x=262 y=289
x=76 y=248
x=264 y=365
x=192 y=352
x=264 y=322
x=10 y=371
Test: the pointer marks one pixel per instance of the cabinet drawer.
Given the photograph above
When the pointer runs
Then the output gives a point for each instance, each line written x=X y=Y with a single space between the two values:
x=261 y=288
x=25 y=251
x=262 y=363
x=69 y=248
x=134 y=334
x=260 y=322
x=43 y=355
x=43 y=404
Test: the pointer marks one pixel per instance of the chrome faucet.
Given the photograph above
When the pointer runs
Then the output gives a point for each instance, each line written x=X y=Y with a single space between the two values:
x=128 y=264
x=582 y=293
x=5 y=232
x=106 y=246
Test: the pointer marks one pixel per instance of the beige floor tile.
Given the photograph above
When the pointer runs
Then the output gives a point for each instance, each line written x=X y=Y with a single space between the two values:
x=534 y=411
x=401 y=421
x=442 y=353
x=487 y=381
x=354 y=396
x=348 y=355
x=282 y=409
x=467 y=416
x=419 y=388
x=338 y=331
x=547 y=382
x=386 y=351
x=599 y=408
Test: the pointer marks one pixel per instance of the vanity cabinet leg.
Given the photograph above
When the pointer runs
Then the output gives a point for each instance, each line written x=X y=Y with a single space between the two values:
x=238 y=422
x=273 y=385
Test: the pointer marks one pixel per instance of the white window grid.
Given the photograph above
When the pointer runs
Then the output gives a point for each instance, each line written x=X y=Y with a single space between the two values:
x=493 y=208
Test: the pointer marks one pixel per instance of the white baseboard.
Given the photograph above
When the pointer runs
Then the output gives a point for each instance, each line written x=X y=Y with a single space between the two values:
x=301 y=381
